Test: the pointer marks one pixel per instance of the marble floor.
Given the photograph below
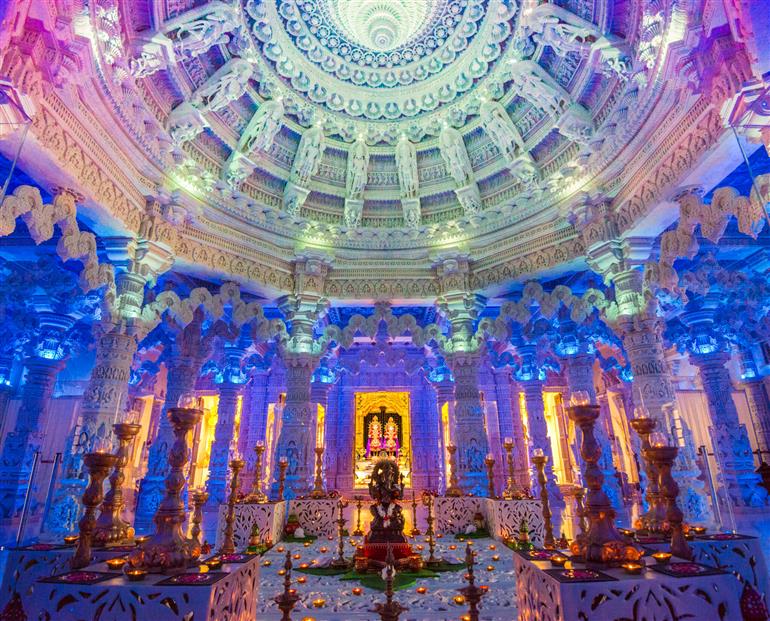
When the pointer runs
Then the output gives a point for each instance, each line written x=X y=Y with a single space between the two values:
x=499 y=604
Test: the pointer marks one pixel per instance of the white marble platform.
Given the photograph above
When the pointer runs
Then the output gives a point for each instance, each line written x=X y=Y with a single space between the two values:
x=269 y=518
x=742 y=555
x=316 y=516
x=232 y=598
x=650 y=596
x=503 y=517
x=26 y=565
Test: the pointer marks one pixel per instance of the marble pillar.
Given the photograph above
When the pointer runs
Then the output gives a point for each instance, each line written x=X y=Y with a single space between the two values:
x=729 y=437
x=759 y=406
x=256 y=401
x=26 y=438
x=223 y=444
x=470 y=433
x=426 y=443
x=296 y=441
x=509 y=425
x=538 y=438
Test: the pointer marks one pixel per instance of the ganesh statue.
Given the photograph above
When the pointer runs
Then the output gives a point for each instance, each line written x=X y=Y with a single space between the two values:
x=387 y=525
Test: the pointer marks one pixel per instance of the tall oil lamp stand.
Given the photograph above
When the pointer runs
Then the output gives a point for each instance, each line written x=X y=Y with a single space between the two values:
x=415 y=531
x=453 y=489
x=110 y=527
x=98 y=466
x=489 y=461
x=318 y=485
x=339 y=561
x=228 y=543
x=540 y=460
x=358 y=532
x=390 y=610
x=427 y=501
x=288 y=599
x=168 y=549
x=472 y=593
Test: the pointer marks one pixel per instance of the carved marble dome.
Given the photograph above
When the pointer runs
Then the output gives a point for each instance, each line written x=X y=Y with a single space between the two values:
x=386 y=130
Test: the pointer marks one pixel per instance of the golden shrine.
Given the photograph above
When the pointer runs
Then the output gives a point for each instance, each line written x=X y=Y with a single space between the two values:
x=382 y=429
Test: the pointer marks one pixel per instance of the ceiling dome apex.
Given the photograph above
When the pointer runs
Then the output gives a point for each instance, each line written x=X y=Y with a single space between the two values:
x=381 y=25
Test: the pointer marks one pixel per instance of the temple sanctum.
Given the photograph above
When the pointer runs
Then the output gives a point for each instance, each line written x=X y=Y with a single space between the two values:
x=384 y=309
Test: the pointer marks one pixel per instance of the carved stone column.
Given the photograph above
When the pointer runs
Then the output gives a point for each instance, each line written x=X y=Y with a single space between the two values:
x=470 y=434
x=297 y=438
x=26 y=438
x=258 y=400
x=759 y=406
x=538 y=438
x=224 y=435
x=729 y=437
x=509 y=421
x=425 y=437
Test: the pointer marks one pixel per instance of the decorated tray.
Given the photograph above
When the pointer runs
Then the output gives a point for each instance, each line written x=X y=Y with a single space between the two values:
x=579 y=575
x=80 y=577
x=686 y=569
x=206 y=579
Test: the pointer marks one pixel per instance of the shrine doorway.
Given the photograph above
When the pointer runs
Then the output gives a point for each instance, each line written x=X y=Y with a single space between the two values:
x=382 y=429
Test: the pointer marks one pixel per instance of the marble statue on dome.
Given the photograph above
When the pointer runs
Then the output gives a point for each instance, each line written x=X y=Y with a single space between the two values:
x=308 y=157
x=226 y=85
x=411 y=210
x=556 y=27
x=537 y=86
x=500 y=129
x=262 y=128
x=406 y=162
x=197 y=30
x=353 y=211
x=455 y=156
x=358 y=164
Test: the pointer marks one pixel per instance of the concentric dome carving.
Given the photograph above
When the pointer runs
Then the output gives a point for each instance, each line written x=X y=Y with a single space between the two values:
x=381 y=25
x=386 y=125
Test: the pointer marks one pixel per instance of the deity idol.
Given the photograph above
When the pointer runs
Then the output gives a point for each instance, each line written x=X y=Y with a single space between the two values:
x=374 y=442
x=391 y=436
x=387 y=527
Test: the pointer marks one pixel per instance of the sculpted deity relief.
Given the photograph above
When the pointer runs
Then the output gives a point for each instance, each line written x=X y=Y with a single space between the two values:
x=197 y=30
x=500 y=129
x=406 y=162
x=262 y=127
x=308 y=157
x=358 y=164
x=535 y=85
x=226 y=85
x=455 y=156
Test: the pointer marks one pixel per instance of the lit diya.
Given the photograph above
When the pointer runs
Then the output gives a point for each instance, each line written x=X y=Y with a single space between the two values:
x=324 y=550
x=490 y=567
x=496 y=558
x=492 y=546
x=304 y=565
x=70 y=539
x=422 y=590
x=135 y=575
x=306 y=544
x=662 y=557
x=302 y=580
x=357 y=591
x=142 y=539
x=633 y=569
x=319 y=602
x=459 y=600
x=115 y=563
x=558 y=560
x=214 y=563
x=453 y=547
x=296 y=556
x=267 y=562
x=280 y=549
x=698 y=530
